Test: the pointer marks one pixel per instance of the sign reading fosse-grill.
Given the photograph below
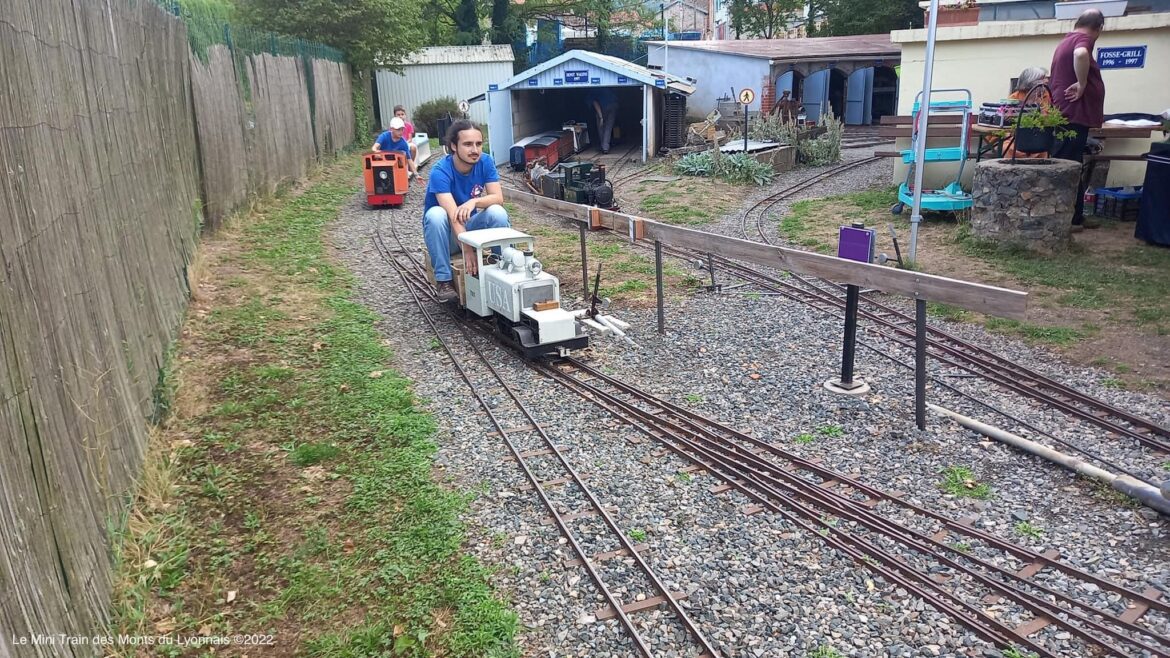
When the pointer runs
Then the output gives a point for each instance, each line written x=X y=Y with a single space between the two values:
x=1122 y=57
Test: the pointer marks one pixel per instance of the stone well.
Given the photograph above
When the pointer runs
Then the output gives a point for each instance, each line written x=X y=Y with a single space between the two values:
x=1028 y=203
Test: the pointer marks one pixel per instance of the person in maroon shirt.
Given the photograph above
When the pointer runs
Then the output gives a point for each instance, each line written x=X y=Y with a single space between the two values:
x=1079 y=93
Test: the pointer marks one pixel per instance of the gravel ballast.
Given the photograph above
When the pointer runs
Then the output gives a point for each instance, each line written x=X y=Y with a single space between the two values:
x=756 y=584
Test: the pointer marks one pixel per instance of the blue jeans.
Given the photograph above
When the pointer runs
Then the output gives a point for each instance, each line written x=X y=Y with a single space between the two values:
x=441 y=241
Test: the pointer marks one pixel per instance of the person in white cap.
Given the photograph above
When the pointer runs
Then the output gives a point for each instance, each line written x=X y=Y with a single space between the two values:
x=393 y=140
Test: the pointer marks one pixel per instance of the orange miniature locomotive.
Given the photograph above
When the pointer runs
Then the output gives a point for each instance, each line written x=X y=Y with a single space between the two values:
x=386 y=178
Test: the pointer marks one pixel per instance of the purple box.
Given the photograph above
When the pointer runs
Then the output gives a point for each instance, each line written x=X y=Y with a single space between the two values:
x=857 y=244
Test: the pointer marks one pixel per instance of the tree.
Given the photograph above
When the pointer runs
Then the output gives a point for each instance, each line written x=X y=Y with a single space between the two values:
x=467 y=30
x=372 y=33
x=845 y=17
x=763 y=18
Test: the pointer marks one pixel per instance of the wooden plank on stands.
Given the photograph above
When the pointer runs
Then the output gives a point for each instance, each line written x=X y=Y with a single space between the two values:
x=989 y=300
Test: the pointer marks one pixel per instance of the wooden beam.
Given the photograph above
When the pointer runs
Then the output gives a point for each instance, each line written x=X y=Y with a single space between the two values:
x=567 y=209
x=989 y=300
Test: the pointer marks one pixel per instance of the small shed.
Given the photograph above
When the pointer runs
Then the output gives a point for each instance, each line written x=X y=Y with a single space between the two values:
x=459 y=72
x=548 y=96
x=852 y=76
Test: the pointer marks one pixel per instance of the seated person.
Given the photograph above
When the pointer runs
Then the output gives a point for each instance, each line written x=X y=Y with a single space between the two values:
x=1029 y=79
x=464 y=194
x=408 y=132
x=392 y=140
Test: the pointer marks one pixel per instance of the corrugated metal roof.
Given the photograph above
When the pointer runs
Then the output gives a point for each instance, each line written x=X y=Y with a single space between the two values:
x=793 y=50
x=461 y=54
x=615 y=64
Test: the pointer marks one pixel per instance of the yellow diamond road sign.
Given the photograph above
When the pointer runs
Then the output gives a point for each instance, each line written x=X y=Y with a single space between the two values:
x=747 y=96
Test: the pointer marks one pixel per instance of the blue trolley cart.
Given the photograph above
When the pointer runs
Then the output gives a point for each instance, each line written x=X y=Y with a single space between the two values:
x=952 y=197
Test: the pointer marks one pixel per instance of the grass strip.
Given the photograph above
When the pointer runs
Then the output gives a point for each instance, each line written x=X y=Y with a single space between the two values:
x=290 y=496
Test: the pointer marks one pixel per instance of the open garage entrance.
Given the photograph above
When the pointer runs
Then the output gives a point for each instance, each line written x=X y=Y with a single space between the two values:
x=885 y=93
x=536 y=111
x=553 y=98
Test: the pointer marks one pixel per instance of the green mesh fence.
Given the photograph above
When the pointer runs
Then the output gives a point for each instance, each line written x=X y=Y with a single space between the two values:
x=209 y=23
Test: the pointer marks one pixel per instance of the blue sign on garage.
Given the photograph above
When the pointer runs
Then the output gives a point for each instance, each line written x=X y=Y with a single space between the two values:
x=532 y=82
x=622 y=80
x=576 y=77
x=1122 y=57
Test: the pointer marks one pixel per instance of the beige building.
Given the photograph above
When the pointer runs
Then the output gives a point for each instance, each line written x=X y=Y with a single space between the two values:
x=986 y=57
x=690 y=16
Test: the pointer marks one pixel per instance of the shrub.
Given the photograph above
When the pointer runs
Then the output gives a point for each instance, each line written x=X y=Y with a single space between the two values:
x=425 y=117
x=735 y=168
x=696 y=164
x=772 y=128
x=825 y=149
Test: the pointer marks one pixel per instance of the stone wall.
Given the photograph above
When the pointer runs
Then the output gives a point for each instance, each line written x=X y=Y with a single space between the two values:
x=1026 y=204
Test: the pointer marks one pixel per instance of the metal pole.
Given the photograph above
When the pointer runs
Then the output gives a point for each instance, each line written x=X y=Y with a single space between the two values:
x=920 y=363
x=849 y=349
x=658 y=280
x=920 y=145
x=745 y=129
x=665 y=41
x=711 y=269
x=584 y=263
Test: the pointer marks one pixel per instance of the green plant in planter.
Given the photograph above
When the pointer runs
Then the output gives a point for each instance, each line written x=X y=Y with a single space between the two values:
x=1039 y=128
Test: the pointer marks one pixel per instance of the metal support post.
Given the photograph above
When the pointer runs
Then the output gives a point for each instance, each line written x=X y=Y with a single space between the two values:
x=745 y=128
x=584 y=264
x=846 y=385
x=849 y=348
x=658 y=279
x=711 y=269
x=919 y=145
x=920 y=363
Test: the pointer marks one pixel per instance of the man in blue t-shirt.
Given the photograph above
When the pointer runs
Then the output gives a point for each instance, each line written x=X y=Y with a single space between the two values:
x=464 y=194
x=604 y=103
x=394 y=140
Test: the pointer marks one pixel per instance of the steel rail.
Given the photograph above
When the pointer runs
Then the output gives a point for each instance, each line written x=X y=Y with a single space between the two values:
x=847 y=510
x=835 y=307
x=1149 y=430
x=766 y=204
x=880 y=561
x=827 y=474
x=415 y=287
x=979 y=361
x=992 y=360
x=712 y=431
x=758 y=469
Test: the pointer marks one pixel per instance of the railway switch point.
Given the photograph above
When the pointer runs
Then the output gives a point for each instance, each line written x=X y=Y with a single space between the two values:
x=857 y=387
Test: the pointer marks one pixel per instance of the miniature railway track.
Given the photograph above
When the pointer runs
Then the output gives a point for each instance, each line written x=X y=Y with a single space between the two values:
x=952 y=350
x=874 y=527
x=555 y=481
x=869 y=525
x=949 y=350
x=833 y=306
x=758 y=211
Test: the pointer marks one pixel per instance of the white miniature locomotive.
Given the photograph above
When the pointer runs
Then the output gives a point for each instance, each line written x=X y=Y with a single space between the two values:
x=513 y=286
